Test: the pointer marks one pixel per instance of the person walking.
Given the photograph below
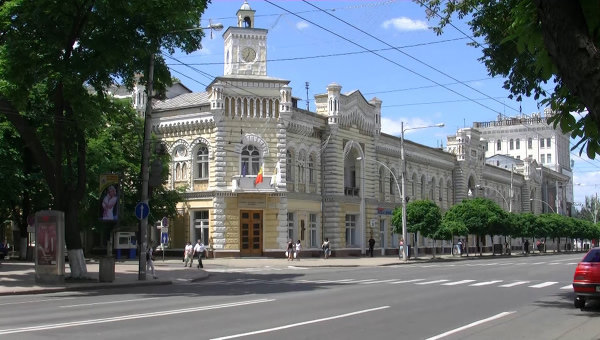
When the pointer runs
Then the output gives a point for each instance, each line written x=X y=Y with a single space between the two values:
x=188 y=254
x=371 y=245
x=326 y=248
x=526 y=246
x=297 y=250
x=290 y=250
x=199 y=249
x=150 y=260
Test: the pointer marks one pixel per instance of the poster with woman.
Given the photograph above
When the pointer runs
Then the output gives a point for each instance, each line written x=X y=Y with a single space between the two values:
x=109 y=197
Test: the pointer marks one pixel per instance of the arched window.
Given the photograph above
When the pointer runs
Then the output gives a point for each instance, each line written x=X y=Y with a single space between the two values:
x=423 y=187
x=498 y=145
x=530 y=143
x=250 y=160
x=289 y=176
x=178 y=171
x=512 y=144
x=518 y=144
x=311 y=169
x=392 y=184
x=301 y=164
x=202 y=162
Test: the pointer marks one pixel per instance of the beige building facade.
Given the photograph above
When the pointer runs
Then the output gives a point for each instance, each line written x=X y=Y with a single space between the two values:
x=258 y=171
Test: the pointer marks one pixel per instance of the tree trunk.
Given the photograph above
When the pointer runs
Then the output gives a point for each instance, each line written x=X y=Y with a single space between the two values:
x=573 y=50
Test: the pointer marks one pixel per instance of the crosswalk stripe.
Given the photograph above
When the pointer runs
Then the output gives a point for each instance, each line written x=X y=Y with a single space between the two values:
x=457 y=283
x=567 y=287
x=514 y=284
x=544 y=284
x=406 y=281
x=485 y=283
x=430 y=282
x=372 y=282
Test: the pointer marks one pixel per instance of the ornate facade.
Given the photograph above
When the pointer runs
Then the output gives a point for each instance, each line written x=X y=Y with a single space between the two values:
x=258 y=171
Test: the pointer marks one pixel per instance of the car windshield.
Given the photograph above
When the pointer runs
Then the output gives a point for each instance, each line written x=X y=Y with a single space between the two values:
x=592 y=256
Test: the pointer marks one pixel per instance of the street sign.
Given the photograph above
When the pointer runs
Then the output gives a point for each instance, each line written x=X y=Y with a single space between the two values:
x=142 y=210
x=164 y=238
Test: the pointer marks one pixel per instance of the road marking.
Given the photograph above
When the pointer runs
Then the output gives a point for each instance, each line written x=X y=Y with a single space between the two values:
x=107 y=302
x=457 y=283
x=296 y=267
x=129 y=317
x=372 y=282
x=567 y=287
x=537 y=263
x=363 y=281
x=406 y=281
x=544 y=284
x=508 y=285
x=473 y=324
x=430 y=282
x=486 y=283
x=300 y=323
x=35 y=301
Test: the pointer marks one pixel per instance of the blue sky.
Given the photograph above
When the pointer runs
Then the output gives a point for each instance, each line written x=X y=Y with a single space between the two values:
x=427 y=79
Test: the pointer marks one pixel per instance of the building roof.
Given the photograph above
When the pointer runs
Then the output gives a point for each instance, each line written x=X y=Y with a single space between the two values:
x=183 y=101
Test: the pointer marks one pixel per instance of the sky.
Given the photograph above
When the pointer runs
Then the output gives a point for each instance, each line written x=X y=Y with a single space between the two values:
x=385 y=49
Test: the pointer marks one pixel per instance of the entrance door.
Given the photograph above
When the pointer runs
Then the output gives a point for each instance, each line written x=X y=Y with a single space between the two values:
x=251 y=232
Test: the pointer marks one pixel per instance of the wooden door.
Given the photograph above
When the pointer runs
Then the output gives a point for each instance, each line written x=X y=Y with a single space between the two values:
x=251 y=232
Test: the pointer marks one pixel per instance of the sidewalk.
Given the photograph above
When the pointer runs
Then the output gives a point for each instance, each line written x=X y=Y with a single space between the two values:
x=18 y=277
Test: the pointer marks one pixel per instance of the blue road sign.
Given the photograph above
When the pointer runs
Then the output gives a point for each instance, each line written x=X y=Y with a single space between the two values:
x=142 y=210
x=164 y=238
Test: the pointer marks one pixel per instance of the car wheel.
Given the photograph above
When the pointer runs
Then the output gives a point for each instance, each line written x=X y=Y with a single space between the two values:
x=579 y=302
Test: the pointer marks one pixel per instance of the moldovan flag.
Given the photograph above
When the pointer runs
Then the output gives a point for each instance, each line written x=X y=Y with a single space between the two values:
x=259 y=177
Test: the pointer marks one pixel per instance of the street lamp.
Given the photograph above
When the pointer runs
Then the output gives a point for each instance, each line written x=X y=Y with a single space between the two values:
x=480 y=187
x=146 y=154
x=402 y=192
x=546 y=203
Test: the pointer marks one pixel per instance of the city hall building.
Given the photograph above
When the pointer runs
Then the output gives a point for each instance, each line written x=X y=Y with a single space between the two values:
x=258 y=171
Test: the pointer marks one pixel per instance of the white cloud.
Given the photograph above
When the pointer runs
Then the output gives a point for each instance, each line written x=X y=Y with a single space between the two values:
x=405 y=24
x=302 y=25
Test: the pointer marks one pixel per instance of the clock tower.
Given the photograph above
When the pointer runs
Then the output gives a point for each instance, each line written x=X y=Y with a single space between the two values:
x=245 y=46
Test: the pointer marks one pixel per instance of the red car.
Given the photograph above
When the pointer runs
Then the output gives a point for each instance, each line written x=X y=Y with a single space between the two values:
x=586 y=281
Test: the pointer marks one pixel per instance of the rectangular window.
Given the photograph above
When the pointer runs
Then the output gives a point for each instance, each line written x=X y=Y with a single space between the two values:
x=549 y=158
x=312 y=230
x=350 y=230
x=291 y=227
x=201 y=226
x=548 y=142
x=543 y=159
x=530 y=143
x=542 y=143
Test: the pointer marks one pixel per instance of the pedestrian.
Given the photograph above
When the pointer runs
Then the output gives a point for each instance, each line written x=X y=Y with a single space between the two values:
x=188 y=254
x=507 y=247
x=526 y=246
x=150 y=260
x=326 y=248
x=371 y=245
x=290 y=250
x=460 y=247
x=401 y=248
x=297 y=250
x=199 y=249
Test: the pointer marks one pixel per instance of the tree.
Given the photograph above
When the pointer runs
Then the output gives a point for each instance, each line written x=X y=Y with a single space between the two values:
x=48 y=64
x=425 y=217
x=535 y=42
x=481 y=216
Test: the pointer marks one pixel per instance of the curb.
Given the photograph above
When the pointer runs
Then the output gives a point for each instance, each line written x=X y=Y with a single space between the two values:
x=91 y=286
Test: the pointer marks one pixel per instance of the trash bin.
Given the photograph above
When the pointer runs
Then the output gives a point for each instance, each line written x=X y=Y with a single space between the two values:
x=106 y=271
x=132 y=253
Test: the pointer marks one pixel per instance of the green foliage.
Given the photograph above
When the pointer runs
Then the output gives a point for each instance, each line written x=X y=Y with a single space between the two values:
x=525 y=43
x=481 y=216
x=423 y=216
x=448 y=229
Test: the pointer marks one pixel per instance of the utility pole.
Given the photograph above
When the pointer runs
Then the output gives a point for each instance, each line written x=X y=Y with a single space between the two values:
x=307 y=102
x=146 y=169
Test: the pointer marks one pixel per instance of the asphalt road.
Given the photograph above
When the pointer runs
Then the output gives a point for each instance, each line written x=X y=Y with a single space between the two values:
x=516 y=298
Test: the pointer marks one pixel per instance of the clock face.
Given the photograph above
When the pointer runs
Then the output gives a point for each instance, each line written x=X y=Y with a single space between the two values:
x=248 y=54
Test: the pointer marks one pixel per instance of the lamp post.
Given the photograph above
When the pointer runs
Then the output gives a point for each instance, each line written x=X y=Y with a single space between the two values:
x=546 y=203
x=480 y=187
x=402 y=192
x=146 y=154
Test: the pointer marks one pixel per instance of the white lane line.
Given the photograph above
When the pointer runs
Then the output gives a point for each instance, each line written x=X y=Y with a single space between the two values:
x=107 y=302
x=300 y=323
x=508 y=285
x=553 y=263
x=567 y=287
x=35 y=301
x=380 y=281
x=457 y=283
x=486 y=283
x=430 y=282
x=362 y=281
x=297 y=268
x=406 y=281
x=544 y=284
x=472 y=324
x=128 y=317
x=534 y=263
